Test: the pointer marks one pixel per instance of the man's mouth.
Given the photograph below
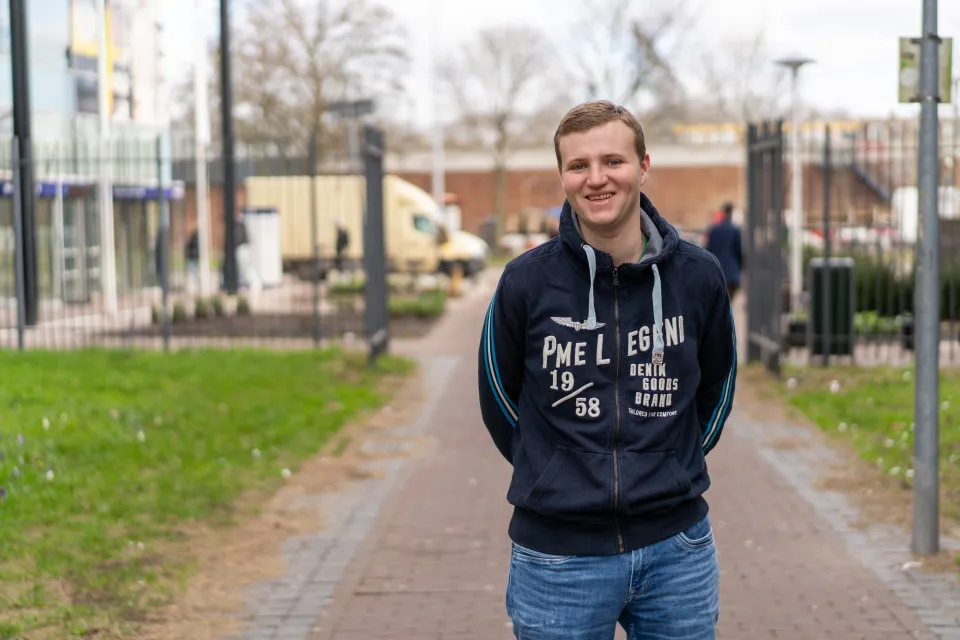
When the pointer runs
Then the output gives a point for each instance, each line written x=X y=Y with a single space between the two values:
x=600 y=197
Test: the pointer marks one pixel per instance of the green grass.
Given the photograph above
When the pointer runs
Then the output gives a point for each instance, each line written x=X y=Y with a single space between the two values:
x=873 y=408
x=347 y=287
x=137 y=446
x=429 y=304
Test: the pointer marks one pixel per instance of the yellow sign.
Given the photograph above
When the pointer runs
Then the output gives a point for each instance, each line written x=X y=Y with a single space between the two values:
x=85 y=37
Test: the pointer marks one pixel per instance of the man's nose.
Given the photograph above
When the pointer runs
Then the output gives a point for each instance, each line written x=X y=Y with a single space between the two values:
x=596 y=177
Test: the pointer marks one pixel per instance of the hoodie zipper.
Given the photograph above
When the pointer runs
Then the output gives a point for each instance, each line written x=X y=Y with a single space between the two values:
x=616 y=432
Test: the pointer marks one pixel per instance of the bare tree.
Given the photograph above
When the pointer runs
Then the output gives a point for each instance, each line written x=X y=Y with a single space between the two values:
x=292 y=57
x=741 y=83
x=626 y=53
x=498 y=82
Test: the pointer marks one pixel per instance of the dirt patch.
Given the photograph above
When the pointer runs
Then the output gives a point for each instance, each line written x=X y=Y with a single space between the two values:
x=787 y=444
x=229 y=561
x=754 y=394
x=278 y=326
x=881 y=499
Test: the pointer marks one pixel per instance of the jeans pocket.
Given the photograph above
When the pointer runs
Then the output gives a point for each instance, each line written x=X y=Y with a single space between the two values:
x=697 y=536
x=523 y=554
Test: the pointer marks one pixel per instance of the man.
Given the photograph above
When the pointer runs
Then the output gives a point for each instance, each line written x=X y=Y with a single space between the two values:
x=606 y=373
x=723 y=241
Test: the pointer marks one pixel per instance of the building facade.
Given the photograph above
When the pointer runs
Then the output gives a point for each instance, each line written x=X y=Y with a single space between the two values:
x=64 y=49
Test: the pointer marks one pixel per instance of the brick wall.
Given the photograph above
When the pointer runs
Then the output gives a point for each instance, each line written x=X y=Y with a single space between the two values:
x=687 y=196
x=188 y=210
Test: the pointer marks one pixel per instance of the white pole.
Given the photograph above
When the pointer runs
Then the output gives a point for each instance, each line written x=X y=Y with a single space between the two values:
x=438 y=183
x=108 y=269
x=201 y=143
x=796 y=199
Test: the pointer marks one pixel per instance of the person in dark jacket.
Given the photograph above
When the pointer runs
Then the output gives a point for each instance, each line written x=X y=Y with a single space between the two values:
x=723 y=241
x=606 y=370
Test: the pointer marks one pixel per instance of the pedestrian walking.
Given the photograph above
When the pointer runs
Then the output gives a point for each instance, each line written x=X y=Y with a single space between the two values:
x=724 y=242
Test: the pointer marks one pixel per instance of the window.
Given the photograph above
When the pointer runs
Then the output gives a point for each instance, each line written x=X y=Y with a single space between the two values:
x=424 y=224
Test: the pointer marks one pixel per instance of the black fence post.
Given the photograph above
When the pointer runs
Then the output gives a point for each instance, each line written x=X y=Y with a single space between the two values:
x=230 y=274
x=162 y=242
x=26 y=237
x=314 y=237
x=827 y=273
x=777 y=245
x=765 y=246
x=374 y=250
x=18 y=242
x=752 y=261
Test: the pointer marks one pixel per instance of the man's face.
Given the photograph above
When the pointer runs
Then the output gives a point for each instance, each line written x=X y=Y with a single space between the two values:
x=602 y=174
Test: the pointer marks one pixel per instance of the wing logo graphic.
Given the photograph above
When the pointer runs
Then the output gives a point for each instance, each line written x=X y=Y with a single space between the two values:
x=573 y=324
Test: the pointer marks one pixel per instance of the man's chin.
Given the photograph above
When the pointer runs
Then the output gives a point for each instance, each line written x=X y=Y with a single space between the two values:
x=601 y=219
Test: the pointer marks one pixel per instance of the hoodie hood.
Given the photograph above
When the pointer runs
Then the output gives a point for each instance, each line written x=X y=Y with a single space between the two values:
x=662 y=240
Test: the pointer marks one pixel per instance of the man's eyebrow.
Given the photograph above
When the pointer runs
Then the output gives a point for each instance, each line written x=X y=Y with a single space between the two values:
x=612 y=154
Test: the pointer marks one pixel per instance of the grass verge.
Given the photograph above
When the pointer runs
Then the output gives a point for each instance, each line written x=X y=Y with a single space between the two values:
x=107 y=458
x=872 y=408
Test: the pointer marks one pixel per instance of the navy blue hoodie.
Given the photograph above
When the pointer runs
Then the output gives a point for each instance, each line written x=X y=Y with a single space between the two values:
x=606 y=387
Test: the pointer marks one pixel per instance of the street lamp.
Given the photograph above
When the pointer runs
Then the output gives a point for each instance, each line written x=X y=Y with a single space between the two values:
x=796 y=183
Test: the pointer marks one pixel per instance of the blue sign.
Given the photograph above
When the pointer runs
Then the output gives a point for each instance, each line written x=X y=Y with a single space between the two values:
x=145 y=193
x=48 y=189
x=44 y=189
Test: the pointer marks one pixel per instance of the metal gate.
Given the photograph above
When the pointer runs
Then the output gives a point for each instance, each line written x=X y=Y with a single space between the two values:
x=765 y=243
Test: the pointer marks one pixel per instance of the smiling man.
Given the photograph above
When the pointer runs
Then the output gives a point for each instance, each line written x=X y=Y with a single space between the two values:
x=607 y=367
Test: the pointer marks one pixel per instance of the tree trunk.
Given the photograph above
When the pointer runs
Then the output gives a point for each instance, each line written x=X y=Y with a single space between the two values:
x=500 y=196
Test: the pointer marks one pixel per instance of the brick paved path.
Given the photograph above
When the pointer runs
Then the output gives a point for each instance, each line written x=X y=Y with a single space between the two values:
x=434 y=562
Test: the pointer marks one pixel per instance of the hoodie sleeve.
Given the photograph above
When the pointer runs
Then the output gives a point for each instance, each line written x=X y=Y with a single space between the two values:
x=500 y=365
x=718 y=366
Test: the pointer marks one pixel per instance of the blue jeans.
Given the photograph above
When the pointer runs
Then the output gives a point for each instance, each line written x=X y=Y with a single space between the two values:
x=666 y=591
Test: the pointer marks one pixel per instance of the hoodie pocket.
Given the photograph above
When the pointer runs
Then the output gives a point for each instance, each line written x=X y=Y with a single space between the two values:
x=572 y=484
x=651 y=480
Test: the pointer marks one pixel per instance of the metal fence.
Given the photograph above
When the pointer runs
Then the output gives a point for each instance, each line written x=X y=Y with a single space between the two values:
x=310 y=248
x=763 y=243
x=860 y=238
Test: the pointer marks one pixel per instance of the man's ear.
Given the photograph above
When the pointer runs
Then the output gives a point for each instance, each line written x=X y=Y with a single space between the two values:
x=644 y=169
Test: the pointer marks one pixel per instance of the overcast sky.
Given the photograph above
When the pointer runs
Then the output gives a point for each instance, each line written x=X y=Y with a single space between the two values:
x=853 y=41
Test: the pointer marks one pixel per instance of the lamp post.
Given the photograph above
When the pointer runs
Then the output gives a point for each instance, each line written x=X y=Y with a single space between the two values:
x=796 y=183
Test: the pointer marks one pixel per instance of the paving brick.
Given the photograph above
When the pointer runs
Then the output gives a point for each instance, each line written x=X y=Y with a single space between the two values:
x=424 y=553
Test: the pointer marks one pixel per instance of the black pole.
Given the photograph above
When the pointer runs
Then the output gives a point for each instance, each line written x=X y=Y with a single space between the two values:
x=229 y=179
x=754 y=353
x=27 y=249
x=314 y=235
x=163 y=234
x=827 y=267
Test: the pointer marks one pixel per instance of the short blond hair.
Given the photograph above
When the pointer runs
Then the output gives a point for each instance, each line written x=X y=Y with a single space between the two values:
x=588 y=115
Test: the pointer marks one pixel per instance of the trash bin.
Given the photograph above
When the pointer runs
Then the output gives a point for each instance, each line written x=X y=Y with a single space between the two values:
x=832 y=308
x=263 y=229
